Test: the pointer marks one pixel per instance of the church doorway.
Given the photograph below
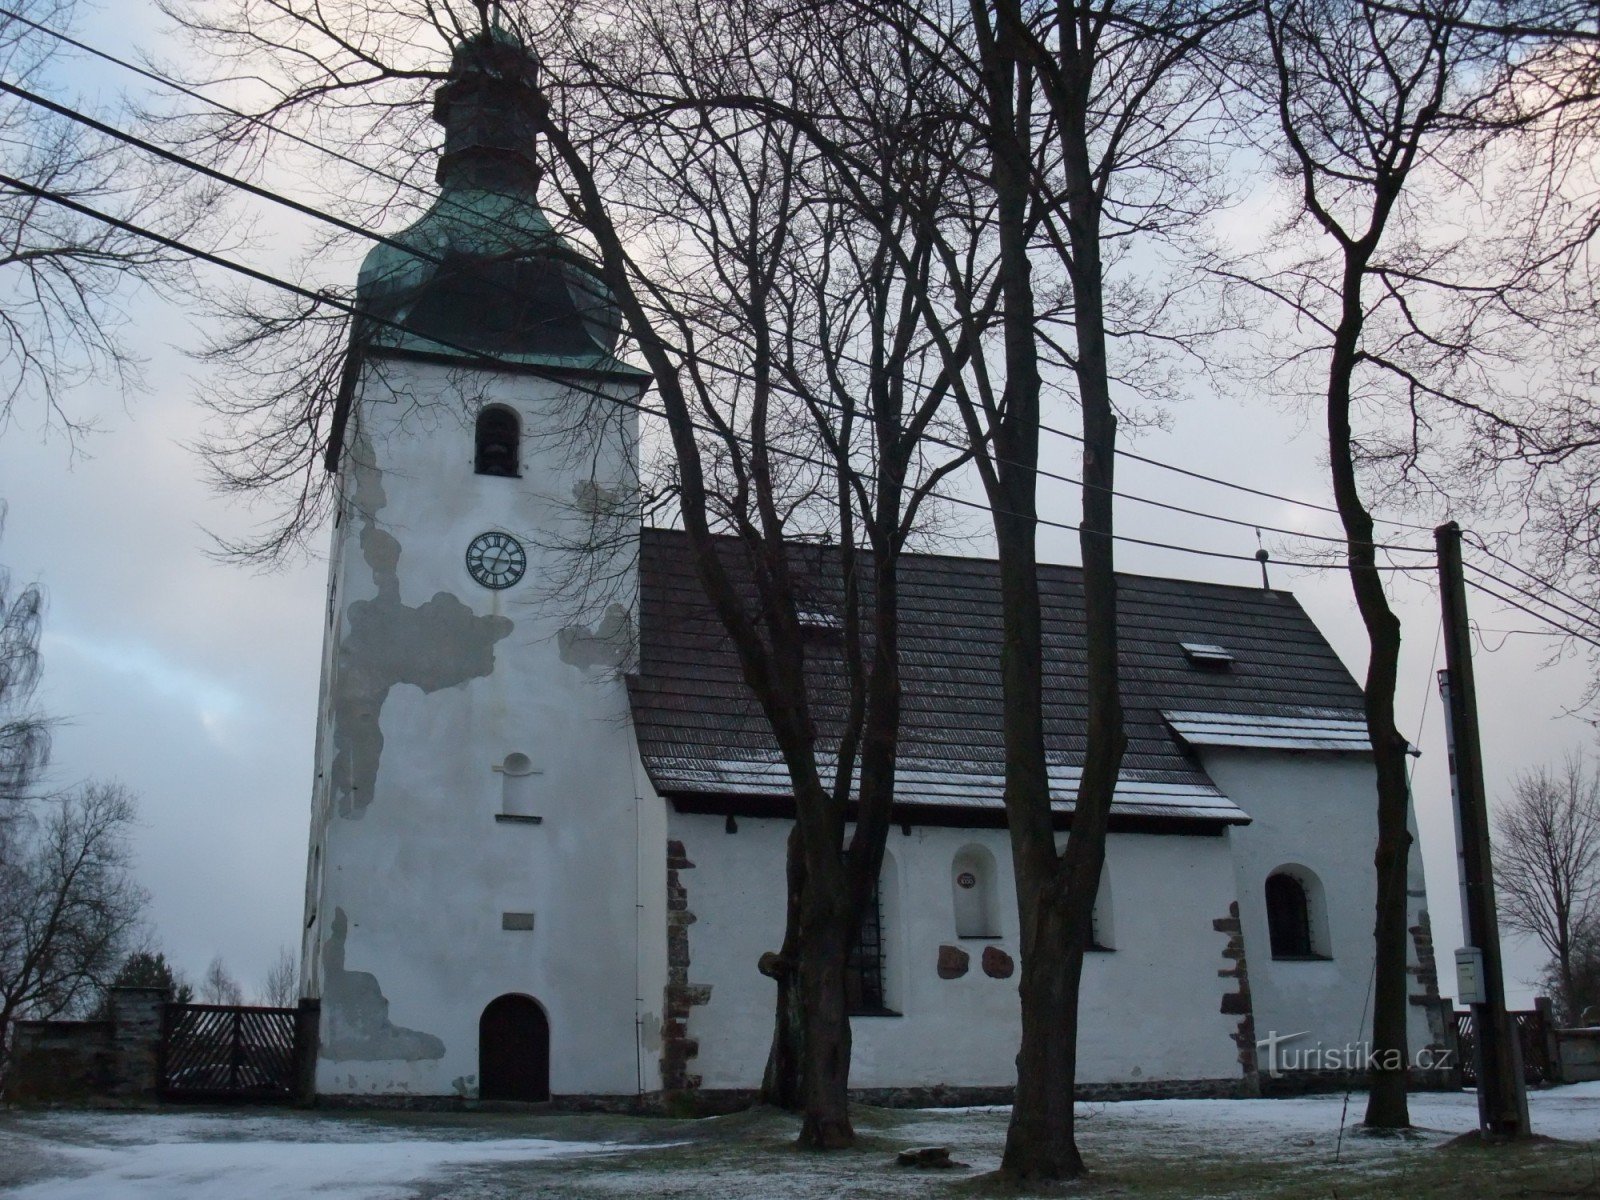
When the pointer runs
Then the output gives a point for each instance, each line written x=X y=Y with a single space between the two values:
x=514 y=1050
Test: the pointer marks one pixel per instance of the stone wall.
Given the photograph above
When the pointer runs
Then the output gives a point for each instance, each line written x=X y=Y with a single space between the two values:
x=677 y=1046
x=91 y=1062
x=1578 y=1052
x=1237 y=1002
x=58 y=1062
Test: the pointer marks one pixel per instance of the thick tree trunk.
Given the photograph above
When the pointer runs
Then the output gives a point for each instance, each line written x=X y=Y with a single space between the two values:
x=827 y=931
x=1386 y=1102
x=1056 y=893
x=1041 y=1142
x=781 y=1082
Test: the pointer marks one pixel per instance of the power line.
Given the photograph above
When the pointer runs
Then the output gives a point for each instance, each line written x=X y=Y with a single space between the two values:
x=338 y=304
x=1473 y=583
x=351 y=227
x=1545 y=583
x=1238 y=487
x=1536 y=598
x=261 y=122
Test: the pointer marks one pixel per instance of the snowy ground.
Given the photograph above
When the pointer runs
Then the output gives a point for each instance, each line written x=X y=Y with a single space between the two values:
x=1155 y=1148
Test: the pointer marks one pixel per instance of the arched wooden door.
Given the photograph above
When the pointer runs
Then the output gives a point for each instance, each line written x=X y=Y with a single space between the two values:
x=513 y=1050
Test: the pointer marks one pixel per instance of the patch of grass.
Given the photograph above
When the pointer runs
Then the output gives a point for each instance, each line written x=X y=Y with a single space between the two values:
x=753 y=1155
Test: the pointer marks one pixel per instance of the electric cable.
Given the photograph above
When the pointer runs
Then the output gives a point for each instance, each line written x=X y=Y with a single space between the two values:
x=351 y=227
x=1533 y=596
x=1572 y=633
x=490 y=360
x=1483 y=548
x=263 y=123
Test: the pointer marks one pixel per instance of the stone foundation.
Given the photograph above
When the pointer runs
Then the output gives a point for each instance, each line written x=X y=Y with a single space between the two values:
x=1237 y=1002
x=715 y=1101
x=1310 y=1083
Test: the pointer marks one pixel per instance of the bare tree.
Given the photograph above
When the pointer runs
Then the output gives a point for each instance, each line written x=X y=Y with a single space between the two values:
x=281 y=987
x=1584 y=971
x=1547 y=864
x=65 y=277
x=1531 y=451
x=24 y=731
x=217 y=986
x=781 y=329
x=68 y=902
x=797 y=397
x=1093 y=126
x=1364 y=100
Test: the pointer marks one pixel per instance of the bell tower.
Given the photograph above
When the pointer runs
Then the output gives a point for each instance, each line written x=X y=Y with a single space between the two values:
x=484 y=883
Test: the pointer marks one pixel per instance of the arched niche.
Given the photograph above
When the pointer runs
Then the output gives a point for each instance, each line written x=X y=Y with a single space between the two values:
x=974 y=887
x=517 y=776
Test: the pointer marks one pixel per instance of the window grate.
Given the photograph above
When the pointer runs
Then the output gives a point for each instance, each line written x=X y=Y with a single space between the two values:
x=863 y=974
x=1288 y=917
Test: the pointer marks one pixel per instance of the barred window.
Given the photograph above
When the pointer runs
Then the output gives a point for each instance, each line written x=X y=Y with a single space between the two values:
x=1288 y=917
x=863 y=973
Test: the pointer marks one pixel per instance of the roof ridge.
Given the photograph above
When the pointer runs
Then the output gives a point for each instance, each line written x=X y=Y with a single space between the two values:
x=973 y=559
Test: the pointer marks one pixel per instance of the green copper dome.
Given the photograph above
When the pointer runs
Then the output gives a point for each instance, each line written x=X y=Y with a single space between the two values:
x=489 y=275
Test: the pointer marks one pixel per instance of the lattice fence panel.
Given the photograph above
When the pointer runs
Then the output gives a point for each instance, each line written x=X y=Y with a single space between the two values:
x=229 y=1052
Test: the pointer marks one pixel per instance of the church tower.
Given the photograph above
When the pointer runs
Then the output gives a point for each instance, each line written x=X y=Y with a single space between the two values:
x=485 y=885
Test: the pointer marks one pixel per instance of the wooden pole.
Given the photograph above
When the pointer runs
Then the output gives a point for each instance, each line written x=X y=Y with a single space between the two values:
x=1502 y=1096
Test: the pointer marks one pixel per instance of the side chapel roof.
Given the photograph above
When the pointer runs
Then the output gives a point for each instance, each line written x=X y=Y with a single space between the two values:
x=706 y=745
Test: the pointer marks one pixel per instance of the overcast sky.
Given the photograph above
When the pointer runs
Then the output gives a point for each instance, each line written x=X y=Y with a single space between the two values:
x=195 y=683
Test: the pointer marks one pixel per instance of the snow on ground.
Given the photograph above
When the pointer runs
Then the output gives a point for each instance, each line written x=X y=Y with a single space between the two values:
x=1571 y=1113
x=288 y=1155
x=171 y=1156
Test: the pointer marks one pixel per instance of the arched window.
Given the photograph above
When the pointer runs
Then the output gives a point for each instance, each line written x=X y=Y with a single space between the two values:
x=1296 y=915
x=498 y=442
x=973 y=882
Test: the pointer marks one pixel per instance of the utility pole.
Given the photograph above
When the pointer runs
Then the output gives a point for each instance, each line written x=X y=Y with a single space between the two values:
x=1502 y=1096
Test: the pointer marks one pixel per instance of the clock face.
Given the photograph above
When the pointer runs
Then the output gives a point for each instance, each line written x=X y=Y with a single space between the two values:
x=496 y=560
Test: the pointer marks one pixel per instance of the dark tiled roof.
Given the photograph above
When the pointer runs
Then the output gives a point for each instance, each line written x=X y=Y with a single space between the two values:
x=702 y=733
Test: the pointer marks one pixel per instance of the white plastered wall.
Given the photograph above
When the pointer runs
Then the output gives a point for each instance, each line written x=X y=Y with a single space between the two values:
x=416 y=874
x=1151 y=1007
x=1317 y=811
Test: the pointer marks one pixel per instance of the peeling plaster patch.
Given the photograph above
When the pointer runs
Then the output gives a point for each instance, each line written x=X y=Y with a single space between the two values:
x=355 y=1012
x=465 y=1086
x=609 y=645
x=440 y=644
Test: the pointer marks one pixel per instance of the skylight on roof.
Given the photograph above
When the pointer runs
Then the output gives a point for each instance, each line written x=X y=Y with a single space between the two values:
x=1206 y=654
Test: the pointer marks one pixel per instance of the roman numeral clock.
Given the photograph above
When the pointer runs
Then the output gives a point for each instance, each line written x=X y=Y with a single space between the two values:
x=496 y=560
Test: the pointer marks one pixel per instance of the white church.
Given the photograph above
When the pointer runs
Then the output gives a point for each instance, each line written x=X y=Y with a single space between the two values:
x=546 y=856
